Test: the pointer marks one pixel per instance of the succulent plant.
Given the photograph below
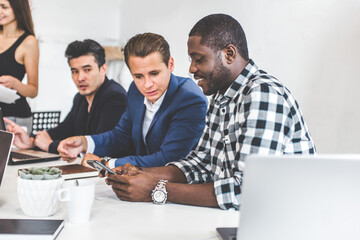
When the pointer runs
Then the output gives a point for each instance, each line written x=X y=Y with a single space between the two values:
x=44 y=173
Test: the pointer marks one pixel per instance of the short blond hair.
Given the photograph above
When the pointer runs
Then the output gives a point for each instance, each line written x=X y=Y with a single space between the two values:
x=141 y=45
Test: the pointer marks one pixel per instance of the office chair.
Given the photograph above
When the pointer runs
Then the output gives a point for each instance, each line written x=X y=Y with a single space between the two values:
x=43 y=121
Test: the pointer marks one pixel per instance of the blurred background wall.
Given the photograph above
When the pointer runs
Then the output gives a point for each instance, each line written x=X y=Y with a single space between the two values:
x=311 y=46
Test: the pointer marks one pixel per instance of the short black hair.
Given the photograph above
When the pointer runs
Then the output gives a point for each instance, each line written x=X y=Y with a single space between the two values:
x=219 y=30
x=87 y=47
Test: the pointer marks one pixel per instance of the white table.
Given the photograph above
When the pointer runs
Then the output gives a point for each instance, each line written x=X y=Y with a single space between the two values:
x=113 y=218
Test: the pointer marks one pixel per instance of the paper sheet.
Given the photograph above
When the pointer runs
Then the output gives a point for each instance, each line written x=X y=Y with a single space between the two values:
x=8 y=95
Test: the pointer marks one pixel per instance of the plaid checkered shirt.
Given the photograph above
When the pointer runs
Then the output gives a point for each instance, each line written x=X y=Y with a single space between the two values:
x=256 y=115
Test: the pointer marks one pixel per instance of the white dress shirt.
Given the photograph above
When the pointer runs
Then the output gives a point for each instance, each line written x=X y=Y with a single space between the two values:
x=151 y=109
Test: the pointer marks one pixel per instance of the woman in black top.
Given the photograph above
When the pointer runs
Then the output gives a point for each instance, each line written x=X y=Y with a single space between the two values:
x=19 y=54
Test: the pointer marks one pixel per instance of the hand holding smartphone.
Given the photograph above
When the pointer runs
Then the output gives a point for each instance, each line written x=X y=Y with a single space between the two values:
x=99 y=166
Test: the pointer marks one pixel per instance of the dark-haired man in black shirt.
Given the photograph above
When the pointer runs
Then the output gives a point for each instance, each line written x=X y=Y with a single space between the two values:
x=96 y=108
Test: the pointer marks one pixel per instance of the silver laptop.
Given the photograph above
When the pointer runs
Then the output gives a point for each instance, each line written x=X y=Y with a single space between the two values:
x=6 y=140
x=21 y=156
x=300 y=198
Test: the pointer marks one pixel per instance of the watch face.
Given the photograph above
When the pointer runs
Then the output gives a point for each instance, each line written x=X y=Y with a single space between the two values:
x=159 y=196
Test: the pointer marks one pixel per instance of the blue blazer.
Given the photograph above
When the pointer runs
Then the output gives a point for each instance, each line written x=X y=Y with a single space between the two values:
x=174 y=131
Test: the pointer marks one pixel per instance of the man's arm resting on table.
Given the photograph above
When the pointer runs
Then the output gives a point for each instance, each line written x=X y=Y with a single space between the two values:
x=192 y=194
x=181 y=192
x=170 y=173
x=178 y=189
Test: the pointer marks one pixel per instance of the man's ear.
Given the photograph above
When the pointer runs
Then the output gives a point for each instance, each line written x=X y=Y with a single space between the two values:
x=104 y=68
x=230 y=53
x=171 y=64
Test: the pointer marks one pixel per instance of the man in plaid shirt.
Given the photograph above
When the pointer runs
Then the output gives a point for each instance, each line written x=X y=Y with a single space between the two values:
x=250 y=112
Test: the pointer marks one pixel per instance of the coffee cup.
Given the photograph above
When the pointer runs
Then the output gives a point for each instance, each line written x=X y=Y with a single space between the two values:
x=79 y=198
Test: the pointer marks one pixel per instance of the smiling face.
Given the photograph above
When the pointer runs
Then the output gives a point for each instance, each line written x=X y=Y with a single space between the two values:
x=208 y=67
x=151 y=75
x=6 y=13
x=87 y=75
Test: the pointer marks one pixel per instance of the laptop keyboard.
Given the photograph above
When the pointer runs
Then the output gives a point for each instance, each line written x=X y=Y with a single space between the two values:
x=17 y=155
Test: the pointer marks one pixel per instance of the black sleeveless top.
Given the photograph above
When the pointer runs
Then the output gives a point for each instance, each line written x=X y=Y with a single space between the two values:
x=9 y=66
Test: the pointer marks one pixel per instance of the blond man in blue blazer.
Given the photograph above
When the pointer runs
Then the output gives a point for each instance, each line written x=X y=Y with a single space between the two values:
x=164 y=118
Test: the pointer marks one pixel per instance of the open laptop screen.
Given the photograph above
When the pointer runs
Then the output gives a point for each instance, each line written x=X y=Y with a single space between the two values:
x=2 y=124
x=6 y=139
x=300 y=197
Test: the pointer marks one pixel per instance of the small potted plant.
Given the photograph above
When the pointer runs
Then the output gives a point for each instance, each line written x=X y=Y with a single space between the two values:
x=37 y=189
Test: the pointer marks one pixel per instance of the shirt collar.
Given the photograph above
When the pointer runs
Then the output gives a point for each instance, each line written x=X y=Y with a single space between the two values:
x=156 y=105
x=242 y=79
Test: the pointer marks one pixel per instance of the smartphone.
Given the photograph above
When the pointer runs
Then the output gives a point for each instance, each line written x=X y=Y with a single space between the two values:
x=99 y=166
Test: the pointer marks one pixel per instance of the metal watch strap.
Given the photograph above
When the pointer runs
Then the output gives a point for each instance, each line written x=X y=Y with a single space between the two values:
x=161 y=185
x=104 y=160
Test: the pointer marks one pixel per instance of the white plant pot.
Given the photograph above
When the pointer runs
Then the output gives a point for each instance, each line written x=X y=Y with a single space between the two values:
x=38 y=198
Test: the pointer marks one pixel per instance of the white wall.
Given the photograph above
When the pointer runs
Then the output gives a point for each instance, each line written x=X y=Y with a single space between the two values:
x=311 y=46
x=57 y=23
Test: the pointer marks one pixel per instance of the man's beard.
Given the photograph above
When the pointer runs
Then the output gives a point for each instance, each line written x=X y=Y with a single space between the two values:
x=218 y=79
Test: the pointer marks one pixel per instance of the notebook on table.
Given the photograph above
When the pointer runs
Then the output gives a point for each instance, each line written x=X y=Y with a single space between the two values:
x=31 y=229
x=73 y=171
x=22 y=156
x=77 y=171
x=300 y=197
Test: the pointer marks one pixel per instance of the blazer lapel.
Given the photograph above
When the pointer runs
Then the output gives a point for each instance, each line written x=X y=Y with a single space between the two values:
x=139 y=105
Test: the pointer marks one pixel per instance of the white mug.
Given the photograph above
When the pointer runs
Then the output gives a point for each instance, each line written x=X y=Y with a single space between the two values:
x=79 y=197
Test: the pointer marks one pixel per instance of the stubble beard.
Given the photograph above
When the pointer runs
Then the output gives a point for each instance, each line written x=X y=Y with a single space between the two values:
x=218 y=79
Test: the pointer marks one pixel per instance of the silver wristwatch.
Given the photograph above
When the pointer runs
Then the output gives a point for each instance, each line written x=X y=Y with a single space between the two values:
x=159 y=194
